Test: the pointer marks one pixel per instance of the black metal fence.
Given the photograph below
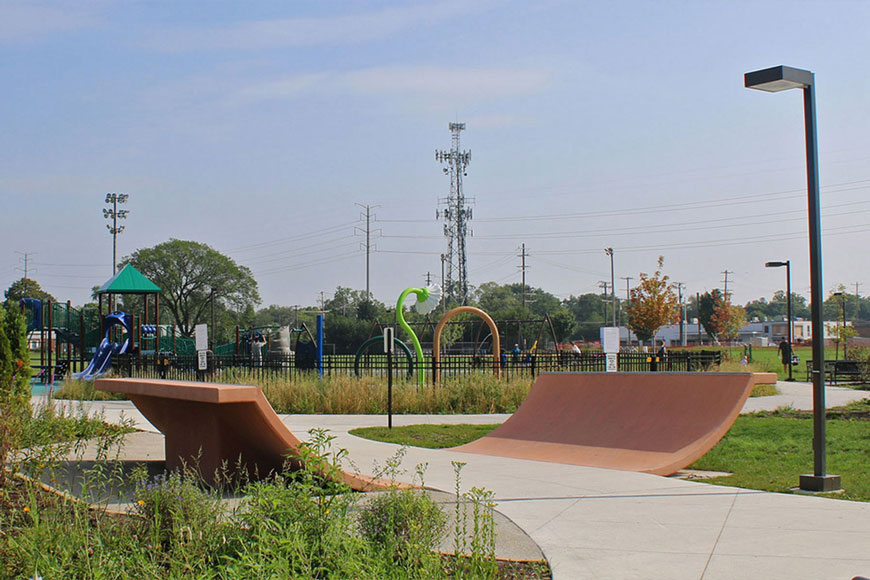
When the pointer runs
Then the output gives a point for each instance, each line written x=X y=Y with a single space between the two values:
x=288 y=367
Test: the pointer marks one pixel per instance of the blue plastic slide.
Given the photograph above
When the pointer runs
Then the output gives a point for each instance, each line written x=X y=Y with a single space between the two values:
x=102 y=360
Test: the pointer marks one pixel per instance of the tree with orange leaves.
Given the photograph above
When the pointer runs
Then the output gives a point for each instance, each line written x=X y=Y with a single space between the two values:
x=653 y=304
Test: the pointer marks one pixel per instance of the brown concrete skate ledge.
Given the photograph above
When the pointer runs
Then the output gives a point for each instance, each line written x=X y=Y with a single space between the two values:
x=650 y=422
x=211 y=425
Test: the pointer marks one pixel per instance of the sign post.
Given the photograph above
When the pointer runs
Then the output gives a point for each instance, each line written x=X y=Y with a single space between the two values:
x=389 y=336
x=200 y=334
x=610 y=345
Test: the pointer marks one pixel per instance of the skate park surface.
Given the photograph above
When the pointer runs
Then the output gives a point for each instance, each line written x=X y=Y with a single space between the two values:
x=592 y=522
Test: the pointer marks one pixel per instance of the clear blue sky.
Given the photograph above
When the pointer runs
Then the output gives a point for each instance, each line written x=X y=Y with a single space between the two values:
x=256 y=127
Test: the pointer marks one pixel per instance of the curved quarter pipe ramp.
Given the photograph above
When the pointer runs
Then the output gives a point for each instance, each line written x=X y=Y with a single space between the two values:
x=650 y=422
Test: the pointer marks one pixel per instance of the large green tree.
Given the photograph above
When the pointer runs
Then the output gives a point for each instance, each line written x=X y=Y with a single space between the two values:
x=26 y=288
x=188 y=273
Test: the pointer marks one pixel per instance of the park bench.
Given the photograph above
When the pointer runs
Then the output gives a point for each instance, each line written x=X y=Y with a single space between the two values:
x=837 y=371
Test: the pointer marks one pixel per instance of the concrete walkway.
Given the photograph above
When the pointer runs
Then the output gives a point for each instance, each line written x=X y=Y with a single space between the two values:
x=597 y=523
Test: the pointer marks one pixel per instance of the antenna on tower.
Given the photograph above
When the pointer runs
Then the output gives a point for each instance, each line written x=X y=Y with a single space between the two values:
x=456 y=215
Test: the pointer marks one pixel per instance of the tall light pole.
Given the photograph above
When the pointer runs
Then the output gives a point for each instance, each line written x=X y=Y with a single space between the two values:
x=774 y=80
x=787 y=265
x=842 y=296
x=609 y=252
x=115 y=214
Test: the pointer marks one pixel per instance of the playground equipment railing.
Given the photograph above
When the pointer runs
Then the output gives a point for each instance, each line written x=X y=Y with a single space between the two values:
x=288 y=366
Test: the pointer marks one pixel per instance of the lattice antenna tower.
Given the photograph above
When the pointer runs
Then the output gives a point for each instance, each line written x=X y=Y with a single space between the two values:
x=456 y=214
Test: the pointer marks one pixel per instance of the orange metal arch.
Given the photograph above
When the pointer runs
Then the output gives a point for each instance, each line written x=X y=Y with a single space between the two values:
x=436 y=342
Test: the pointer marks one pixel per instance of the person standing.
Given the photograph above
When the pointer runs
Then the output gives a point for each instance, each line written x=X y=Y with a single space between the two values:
x=785 y=353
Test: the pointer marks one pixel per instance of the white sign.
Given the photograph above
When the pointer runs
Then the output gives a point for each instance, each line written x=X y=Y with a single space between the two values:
x=389 y=334
x=200 y=333
x=610 y=338
x=611 y=362
x=202 y=360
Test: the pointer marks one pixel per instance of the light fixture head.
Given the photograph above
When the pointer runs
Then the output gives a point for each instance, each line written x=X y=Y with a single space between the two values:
x=122 y=198
x=775 y=264
x=109 y=197
x=778 y=78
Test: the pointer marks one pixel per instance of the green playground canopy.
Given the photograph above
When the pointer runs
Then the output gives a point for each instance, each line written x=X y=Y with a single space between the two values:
x=129 y=281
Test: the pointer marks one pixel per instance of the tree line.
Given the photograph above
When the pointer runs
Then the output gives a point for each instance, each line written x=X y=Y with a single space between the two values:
x=199 y=282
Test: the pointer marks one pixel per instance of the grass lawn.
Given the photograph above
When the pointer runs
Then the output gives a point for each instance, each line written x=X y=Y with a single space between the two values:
x=766 y=451
x=428 y=436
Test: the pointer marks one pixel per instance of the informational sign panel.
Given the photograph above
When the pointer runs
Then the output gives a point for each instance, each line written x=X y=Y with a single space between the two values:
x=202 y=360
x=200 y=333
x=389 y=334
x=611 y=362
x=610 y=339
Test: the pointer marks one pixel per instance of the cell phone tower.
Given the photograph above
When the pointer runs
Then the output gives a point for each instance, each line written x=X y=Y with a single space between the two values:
x=456 y=214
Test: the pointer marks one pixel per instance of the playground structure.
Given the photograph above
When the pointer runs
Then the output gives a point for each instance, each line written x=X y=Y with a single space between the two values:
x=653 y=422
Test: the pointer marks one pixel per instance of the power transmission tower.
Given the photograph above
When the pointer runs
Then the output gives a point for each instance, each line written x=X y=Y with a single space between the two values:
x=726 y=272
x=456 y=214
x=28 y=254
x=367 y=245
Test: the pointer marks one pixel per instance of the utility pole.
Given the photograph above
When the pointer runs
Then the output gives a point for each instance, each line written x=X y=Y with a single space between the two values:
x=609 y=252
x=523 y=271
x=604 y=286
x=726 y=272
x=682 y=314
x=322 y=301
x=456 y=214
x=698 y=306
x=368 y=243
x=627 y=289
x=428 y=278
x=443 y=281
x=28 y=254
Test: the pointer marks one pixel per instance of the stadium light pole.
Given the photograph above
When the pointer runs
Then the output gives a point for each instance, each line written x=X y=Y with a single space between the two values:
x=115 y=214
x=774 y=80
x=787 y=265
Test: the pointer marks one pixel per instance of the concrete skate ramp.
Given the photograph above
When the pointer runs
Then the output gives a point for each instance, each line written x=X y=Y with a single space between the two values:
x=649 y=422
x=217 y=426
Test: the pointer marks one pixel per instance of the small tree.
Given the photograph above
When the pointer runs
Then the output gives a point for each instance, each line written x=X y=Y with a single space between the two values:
x=727 y=320
x=653 y=304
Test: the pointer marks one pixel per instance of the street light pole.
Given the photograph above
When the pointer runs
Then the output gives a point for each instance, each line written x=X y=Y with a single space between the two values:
x=775 y=79
x=787 y=265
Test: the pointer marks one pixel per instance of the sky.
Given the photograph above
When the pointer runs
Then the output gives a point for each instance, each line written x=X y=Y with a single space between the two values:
x=268 y=129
